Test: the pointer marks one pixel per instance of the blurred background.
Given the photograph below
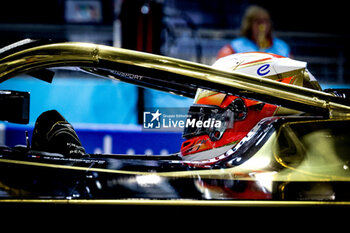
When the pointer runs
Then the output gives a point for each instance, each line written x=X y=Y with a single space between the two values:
x=189 y=29
x=193 y=30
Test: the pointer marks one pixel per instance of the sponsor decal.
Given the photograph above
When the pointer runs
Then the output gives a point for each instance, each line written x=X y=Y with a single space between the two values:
x=263 y=70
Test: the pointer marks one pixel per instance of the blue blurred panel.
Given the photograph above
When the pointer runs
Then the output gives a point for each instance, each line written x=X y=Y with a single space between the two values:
x=101 y=139
x=98 y=101
x=102 y=111
x=335 y=85
x=15 y=134
x=159 y=99
x=130 y=141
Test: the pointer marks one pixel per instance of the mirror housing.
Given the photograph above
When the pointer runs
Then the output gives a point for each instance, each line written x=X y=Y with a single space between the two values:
x=14 y=106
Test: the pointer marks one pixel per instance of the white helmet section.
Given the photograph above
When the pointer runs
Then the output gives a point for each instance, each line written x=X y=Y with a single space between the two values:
x=258 y=64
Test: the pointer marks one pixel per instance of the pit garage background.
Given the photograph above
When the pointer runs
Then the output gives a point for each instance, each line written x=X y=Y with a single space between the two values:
x=105 y=113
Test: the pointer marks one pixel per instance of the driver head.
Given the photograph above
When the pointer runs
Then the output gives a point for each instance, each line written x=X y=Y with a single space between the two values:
x=227 y=119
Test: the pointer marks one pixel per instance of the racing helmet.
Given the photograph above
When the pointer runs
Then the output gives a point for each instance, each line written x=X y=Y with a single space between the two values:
x=224 y=120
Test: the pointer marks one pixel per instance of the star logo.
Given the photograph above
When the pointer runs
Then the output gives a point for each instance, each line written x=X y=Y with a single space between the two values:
x=151 y=120
x=156 y=115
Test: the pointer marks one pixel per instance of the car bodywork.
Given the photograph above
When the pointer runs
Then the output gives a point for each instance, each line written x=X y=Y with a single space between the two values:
x=283 y=161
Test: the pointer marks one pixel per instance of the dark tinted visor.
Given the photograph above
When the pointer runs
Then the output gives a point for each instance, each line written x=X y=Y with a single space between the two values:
x=209 y=120
x=213 y=120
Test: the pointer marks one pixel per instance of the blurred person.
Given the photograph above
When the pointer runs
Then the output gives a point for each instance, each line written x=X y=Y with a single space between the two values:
x=256 y=35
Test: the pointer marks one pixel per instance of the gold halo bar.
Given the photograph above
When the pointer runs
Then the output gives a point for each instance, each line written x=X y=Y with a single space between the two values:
x=195 y=75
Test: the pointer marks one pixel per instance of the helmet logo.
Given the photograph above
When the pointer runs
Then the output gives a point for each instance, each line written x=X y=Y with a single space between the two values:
x=263 y=70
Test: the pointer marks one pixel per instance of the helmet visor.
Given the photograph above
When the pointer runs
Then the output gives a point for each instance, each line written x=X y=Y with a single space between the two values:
x=213 y=120
x=207 y=119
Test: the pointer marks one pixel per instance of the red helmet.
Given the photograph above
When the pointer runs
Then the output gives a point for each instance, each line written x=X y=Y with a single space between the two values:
x=226 y=119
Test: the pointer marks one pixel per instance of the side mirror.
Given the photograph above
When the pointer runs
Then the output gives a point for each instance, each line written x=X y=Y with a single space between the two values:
x=14 y=106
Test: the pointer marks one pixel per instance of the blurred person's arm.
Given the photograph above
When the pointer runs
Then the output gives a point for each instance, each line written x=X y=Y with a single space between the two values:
x=225 y=51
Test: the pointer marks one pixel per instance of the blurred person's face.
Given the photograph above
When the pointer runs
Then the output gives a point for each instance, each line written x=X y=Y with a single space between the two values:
x=261 y=25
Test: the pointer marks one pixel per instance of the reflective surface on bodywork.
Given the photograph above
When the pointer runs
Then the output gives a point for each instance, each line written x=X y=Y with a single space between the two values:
x=295 y=161
x=317 y=150
x=301 y=161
